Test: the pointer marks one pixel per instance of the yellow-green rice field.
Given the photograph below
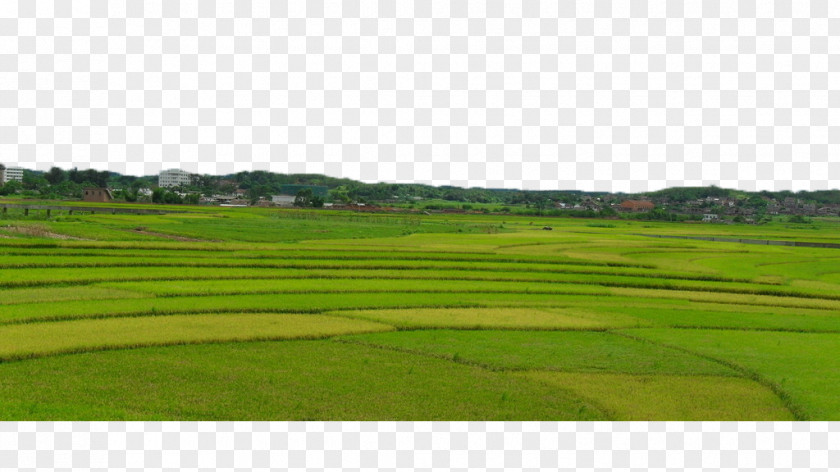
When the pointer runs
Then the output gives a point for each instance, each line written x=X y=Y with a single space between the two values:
x=265 y=314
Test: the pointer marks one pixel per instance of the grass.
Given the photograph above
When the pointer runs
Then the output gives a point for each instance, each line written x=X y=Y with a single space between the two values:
x=437 y=316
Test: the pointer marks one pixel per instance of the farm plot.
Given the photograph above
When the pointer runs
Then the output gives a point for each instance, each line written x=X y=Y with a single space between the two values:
x=216 y=312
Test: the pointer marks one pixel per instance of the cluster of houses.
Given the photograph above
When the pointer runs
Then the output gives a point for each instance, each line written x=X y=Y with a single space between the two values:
x=735 y=207
x=795 y=206
x=712 y=209
x=596 y=204
x=239 y=199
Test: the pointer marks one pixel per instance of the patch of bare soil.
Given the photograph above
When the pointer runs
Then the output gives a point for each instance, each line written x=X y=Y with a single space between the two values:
x=40 y=233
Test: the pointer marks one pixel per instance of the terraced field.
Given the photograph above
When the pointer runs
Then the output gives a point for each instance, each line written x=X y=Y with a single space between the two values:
x=290 y=315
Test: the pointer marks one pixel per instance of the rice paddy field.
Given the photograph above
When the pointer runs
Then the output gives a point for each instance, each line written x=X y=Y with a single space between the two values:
x=265 y=314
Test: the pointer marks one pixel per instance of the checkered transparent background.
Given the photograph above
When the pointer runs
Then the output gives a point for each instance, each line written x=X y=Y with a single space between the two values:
x=619 y=96
x=420 y=446
x=603 y=95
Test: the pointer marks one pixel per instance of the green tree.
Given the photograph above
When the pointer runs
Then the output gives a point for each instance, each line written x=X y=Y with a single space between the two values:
x=12 y=186
x=158 y=195
x=55 y=176
x=130 y=195
x=541 y=204
x=304 y=198
x=798 y=219
x=339 y=195
x=172 y=198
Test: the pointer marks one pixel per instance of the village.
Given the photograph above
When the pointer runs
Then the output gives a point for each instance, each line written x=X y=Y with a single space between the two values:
x=176 y=186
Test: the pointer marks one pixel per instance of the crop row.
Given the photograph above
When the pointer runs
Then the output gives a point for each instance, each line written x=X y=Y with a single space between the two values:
x=28 y=262
x=35 y=340
x=377 y=285
x=313 y=254
x=243 y=280
x=34 y=278
x=565 y=282
x=623 y=312
x=385 y=284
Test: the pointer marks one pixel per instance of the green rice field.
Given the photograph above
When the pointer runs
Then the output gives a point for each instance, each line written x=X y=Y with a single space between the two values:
x=266 y=314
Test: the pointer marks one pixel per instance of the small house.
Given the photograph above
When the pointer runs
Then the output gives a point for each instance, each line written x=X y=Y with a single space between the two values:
x=100 y=195
x=710 y=217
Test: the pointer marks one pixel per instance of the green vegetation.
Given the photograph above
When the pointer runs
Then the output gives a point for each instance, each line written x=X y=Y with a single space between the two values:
x=90 y=335
x=258 y=313
x=803 y=367
x=664 y=397
x=293 y=380
x=567 y=351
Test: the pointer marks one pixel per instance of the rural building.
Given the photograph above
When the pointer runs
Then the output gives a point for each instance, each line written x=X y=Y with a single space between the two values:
x=636 y=205
x=94 y=194
x=710 y=217
x=173 y=178
x=11 y=173
x=283 y=200
x=224 y=198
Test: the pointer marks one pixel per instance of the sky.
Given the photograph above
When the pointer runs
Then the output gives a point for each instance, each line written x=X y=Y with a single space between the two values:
x=607 y=96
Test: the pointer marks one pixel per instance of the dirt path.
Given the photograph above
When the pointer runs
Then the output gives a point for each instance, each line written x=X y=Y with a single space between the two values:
x=38 y=232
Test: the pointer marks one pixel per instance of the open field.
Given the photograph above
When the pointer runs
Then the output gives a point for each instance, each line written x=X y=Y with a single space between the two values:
x=248 y=313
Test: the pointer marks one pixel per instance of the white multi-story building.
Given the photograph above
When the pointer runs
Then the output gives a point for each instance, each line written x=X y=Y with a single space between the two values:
x=11 y=173
x=173 y=178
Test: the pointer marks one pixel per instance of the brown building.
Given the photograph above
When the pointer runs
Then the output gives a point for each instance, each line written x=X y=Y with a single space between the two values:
x=636 y=205
x=93 y=194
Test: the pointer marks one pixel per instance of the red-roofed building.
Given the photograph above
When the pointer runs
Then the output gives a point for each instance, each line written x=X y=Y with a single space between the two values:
x=636 y=205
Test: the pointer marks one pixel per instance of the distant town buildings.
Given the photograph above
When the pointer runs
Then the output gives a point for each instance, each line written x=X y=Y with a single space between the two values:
x=173 y=178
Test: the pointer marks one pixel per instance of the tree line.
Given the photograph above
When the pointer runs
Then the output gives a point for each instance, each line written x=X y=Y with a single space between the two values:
x=59 y=183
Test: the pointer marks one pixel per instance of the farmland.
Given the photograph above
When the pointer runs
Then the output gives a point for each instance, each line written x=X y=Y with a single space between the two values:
x=215 y=313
